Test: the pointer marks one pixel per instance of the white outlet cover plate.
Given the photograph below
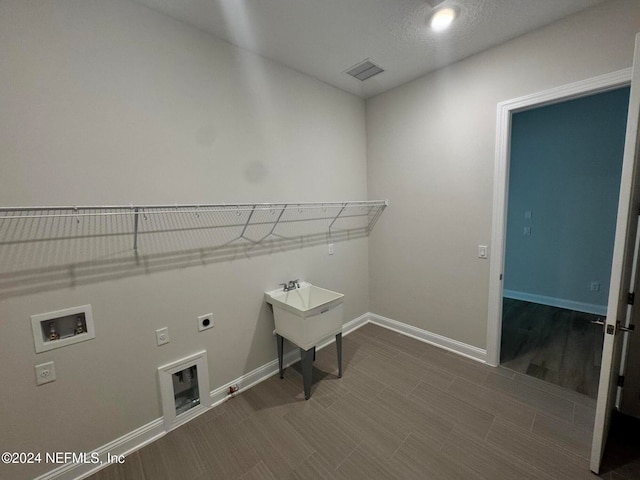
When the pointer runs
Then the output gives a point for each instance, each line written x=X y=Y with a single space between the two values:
x=162 y=336
x=45 y=373
x=202 y=319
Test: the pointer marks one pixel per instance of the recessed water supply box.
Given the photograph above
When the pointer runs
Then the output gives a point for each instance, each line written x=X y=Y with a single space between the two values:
x=62 y=328
x=184 y=387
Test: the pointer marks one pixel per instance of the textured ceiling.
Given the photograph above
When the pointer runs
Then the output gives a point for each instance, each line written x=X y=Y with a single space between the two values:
x=324 y=38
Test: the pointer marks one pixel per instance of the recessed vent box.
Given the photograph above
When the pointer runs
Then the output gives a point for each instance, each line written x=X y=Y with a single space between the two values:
x=62 y=328
x=184 y=386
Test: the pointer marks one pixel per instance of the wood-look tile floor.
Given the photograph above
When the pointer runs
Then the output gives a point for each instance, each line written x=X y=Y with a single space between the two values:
x=403 y=410
x=553 y=344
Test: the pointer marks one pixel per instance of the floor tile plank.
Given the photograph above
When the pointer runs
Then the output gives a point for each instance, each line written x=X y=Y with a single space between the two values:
x=369 y=423
x=575 y=438
x=413 y=417
x=222 y=449
x=465 y=416
x=259 y=472
x=424 y=459
x=527 y=447
x=313 y=468
x=493 y=402
x=541 y=400
x=131 y=469
x=279 y=445
x=490 y=461
x=323 y=431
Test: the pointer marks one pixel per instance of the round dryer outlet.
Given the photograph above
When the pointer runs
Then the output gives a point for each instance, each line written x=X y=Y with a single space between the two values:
x=205 y=322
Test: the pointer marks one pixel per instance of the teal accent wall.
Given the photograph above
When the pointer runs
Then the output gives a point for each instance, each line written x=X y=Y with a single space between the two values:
x=564 y=180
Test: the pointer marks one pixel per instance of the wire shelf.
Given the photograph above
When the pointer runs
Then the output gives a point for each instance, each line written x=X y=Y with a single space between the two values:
x=250 y=223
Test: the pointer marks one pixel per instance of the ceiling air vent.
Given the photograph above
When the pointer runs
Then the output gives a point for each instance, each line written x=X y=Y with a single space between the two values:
x=364 y=70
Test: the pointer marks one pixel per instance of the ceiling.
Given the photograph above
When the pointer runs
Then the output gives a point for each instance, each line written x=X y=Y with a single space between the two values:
x=324 y=38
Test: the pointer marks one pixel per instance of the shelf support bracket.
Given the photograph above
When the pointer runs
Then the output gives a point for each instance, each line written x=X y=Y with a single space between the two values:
x=375 y=217
x=277 y=220
x=136 y=215
x=336 y=218
x=253 y=209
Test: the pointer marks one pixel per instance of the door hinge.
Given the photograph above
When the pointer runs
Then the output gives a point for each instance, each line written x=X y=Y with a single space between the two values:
x=631 y=298
x=611 y=329
x=621 y=380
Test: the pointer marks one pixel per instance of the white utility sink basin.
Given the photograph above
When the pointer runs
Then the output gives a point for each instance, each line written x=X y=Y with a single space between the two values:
x=306 y=315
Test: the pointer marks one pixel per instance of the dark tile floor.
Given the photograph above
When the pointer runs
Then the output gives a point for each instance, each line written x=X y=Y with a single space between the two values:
x=403 y=410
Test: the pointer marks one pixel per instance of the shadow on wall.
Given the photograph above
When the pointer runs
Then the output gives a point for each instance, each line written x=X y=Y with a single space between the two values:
x=45 y=252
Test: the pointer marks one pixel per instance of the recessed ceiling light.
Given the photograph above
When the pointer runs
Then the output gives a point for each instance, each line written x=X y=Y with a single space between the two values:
x=441 y=20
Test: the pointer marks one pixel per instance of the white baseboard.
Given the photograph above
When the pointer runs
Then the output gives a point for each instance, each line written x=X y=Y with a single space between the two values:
x=124 y=445
x=557 y=302
x=254 y=377
x=454 y=346
x=153 y=430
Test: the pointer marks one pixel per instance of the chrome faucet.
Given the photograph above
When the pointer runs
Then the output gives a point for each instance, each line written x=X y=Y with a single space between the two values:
x=292 y=285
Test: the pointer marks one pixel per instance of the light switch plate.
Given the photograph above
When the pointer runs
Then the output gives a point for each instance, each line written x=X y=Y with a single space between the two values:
x=45 y=373
x=482 y=251
x=162 y=336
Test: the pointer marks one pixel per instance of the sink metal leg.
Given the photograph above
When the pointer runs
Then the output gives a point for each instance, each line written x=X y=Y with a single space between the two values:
x=280 y=342
x=307 y=370
x=339 y=348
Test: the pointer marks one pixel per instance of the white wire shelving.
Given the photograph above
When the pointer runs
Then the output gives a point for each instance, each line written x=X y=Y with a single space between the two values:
x=252 y=223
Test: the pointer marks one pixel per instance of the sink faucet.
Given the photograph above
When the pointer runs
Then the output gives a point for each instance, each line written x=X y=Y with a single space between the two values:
x=292 y=285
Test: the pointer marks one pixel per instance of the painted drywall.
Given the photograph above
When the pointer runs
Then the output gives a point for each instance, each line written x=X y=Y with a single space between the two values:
x=109 y=102
x=564 y=182
x=431 y=147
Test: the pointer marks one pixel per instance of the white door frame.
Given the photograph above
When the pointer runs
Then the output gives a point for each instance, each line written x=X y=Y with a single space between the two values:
x=505 y=111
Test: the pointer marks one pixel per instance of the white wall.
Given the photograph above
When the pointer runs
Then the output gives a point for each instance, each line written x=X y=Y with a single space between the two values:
x=431 y=149
x=108 y=102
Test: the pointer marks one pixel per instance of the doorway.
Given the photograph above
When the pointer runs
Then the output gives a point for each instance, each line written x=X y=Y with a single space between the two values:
x=563 y=186
x=505 y=112
x=627 y=224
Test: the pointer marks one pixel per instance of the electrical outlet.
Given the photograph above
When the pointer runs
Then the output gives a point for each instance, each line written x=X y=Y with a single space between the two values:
x=205 y=322
x=527 y=231
x=331 y=249
x=45 y=373
x=162 y=336
x=595 y=286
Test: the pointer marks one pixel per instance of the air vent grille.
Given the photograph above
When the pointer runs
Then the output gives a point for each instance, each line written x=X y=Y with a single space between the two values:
x=364 y=70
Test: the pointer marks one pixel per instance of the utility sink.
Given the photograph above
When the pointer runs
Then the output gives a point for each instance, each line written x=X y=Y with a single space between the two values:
x=306 y=315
